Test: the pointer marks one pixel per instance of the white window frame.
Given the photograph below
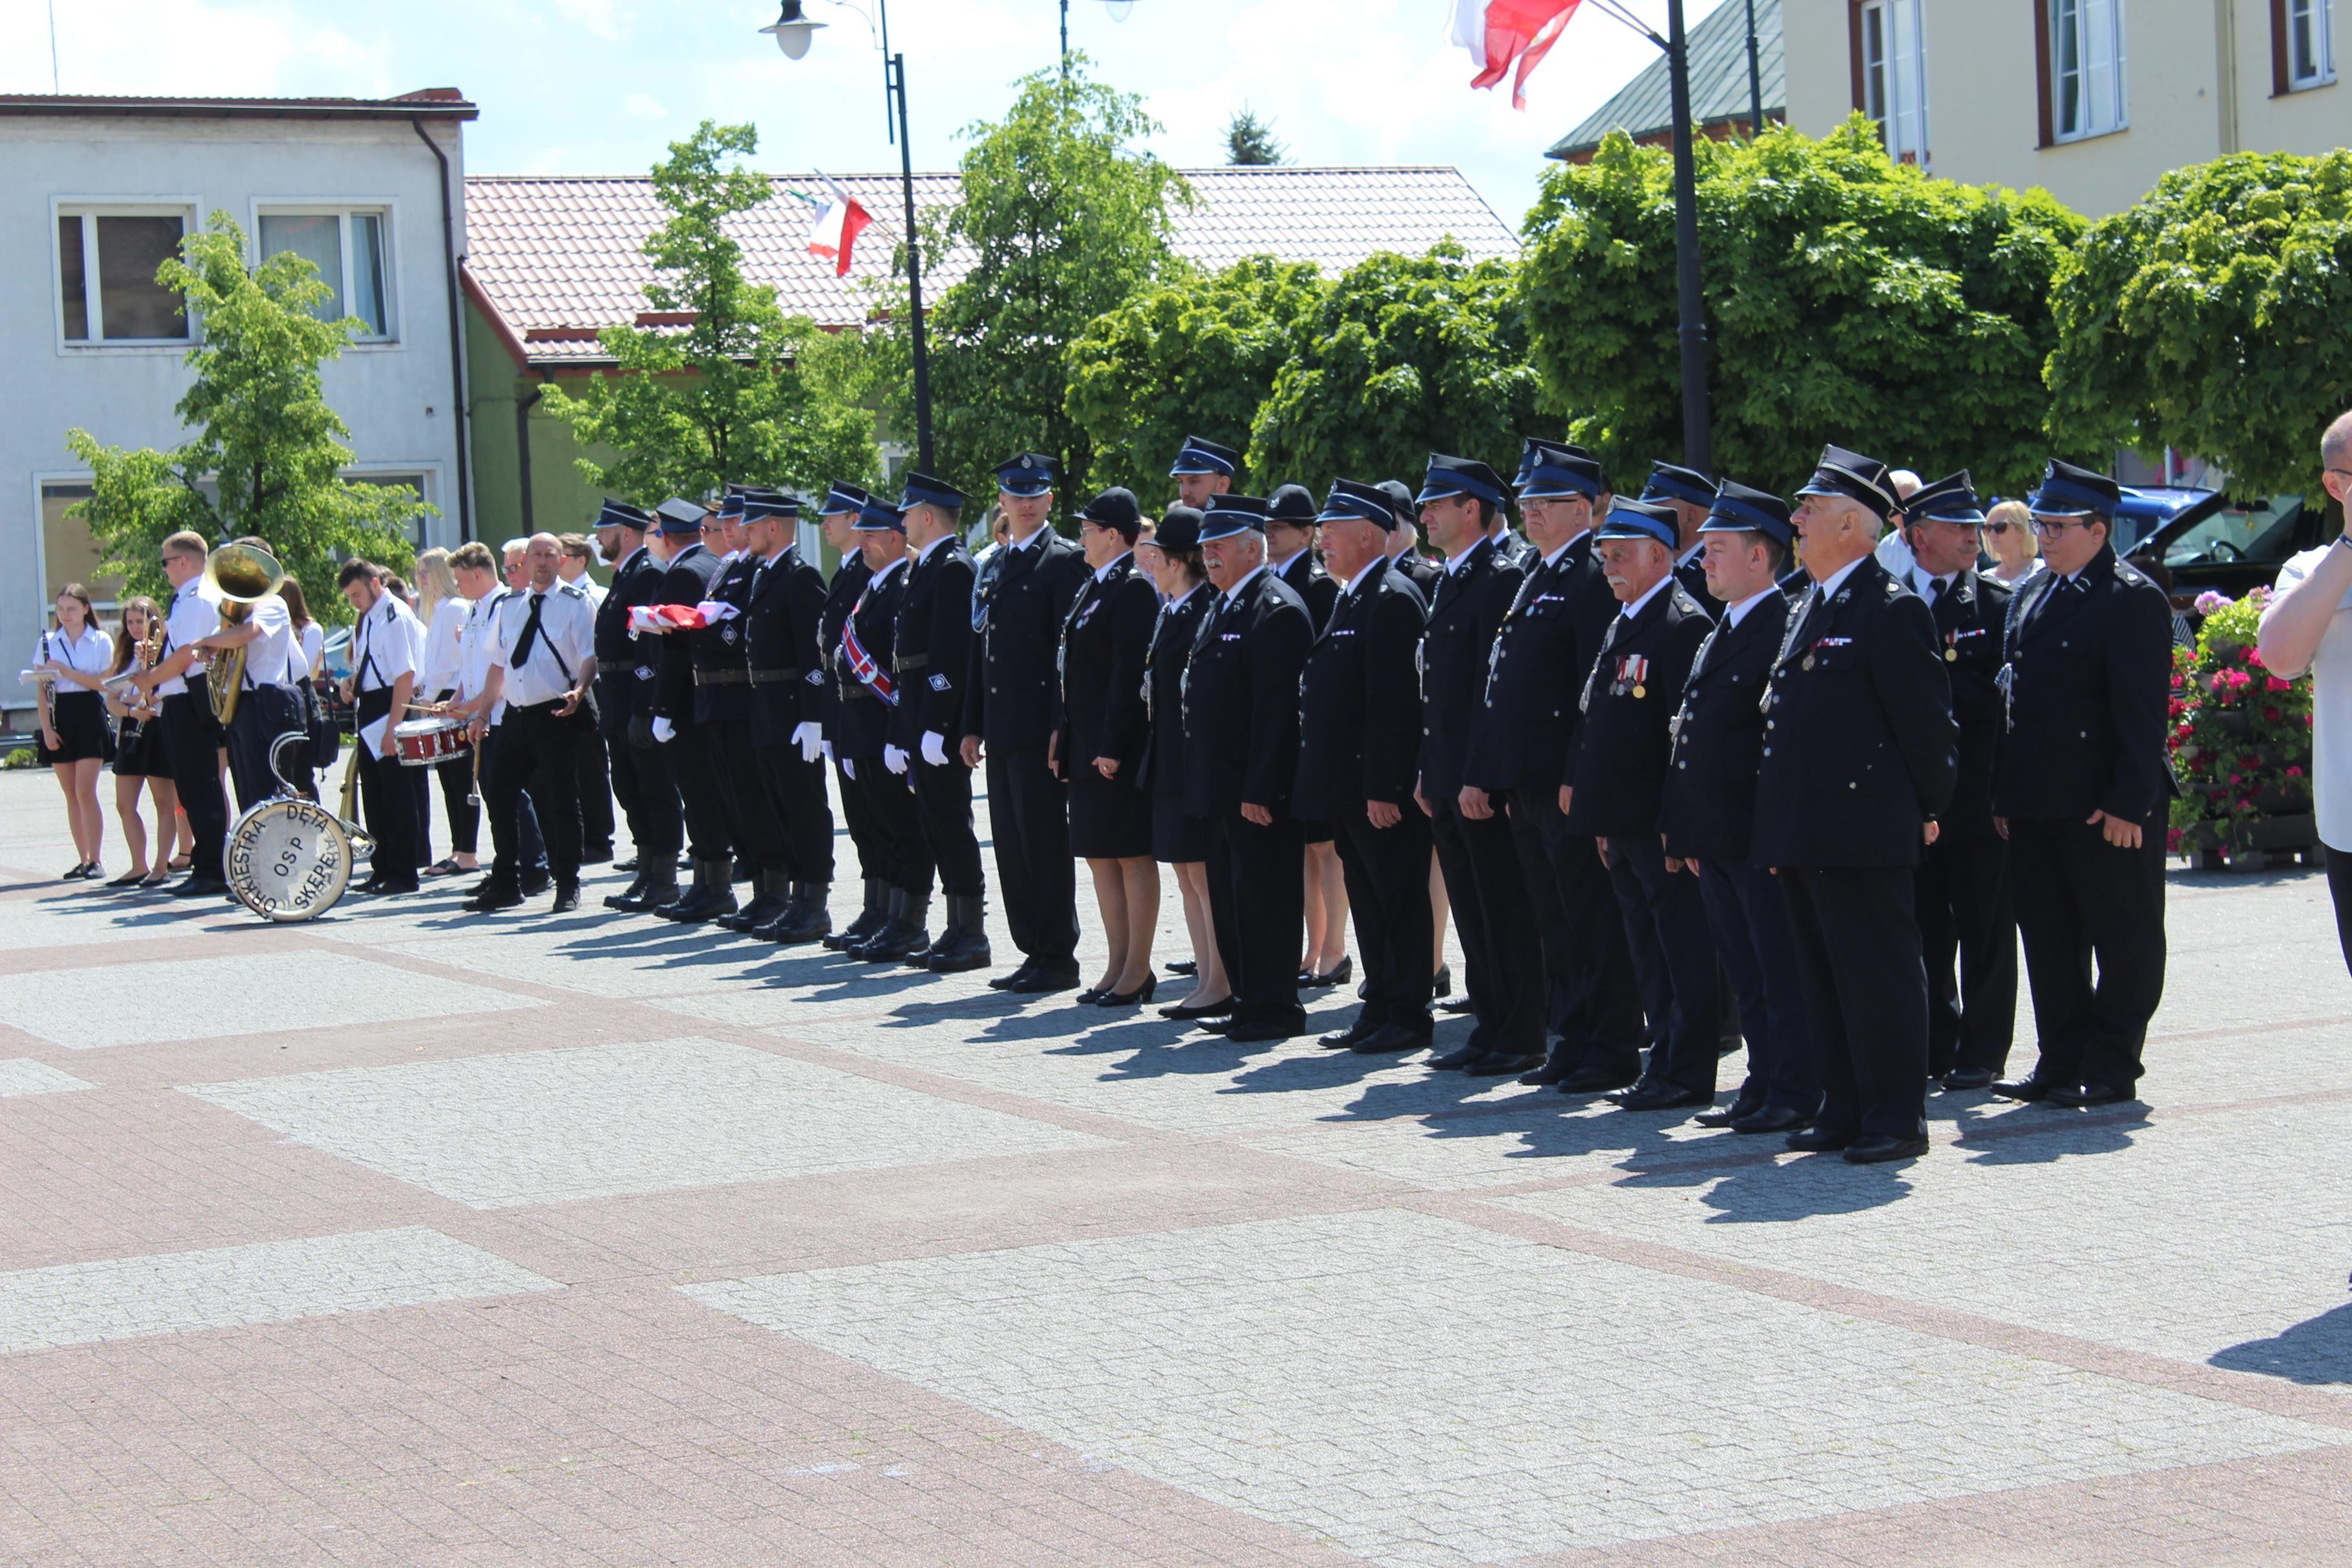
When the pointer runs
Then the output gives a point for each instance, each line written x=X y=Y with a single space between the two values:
x=1897 y=78
x=2103 y=77
x=427 y=480
x=2323 y=36
x=345 y=208
x=88 y=209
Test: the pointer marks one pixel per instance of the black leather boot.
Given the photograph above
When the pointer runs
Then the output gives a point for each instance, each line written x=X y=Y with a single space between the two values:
x=805 y=919
x=713 y=894
x=964 y=944
x=903 y=933
x=659 y=888
x=629 y=897
x=869 y=920
x=771 y=893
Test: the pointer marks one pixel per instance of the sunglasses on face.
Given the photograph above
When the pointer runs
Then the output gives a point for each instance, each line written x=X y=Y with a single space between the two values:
x=1996 y=528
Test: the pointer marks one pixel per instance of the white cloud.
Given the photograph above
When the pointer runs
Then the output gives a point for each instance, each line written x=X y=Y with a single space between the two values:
x=643 y=106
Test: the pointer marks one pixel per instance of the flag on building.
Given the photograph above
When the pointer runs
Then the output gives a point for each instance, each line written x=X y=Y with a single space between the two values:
x=1509 y=38
x=839 y=221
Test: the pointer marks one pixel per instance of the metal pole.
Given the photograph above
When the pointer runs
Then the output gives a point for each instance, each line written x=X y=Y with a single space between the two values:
x=1698 y=440
x=1755 y=79
x=914 y=271
x=1066 y=37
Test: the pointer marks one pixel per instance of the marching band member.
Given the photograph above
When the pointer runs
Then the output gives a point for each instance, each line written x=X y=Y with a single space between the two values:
x=383 y=681
x=930 y=653
x=139 y=761
x=477 y=580
x=191 y=738
x=73 y=735
x=443 y=611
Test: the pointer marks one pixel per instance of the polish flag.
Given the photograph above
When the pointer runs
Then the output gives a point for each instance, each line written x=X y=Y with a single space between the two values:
x=839 y=221
x=1502 y=33
x=679 y=617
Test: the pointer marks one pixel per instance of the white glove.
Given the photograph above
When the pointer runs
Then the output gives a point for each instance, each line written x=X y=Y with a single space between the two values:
x=935 y=748
x=894 y=759
x=810 y=738
x=849 y=769
x=664 y=729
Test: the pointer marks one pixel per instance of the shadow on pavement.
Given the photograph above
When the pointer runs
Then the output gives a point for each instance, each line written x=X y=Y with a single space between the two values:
x=2317 y=1351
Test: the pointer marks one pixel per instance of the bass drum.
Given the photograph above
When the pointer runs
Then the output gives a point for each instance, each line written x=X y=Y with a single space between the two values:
x=289 y=858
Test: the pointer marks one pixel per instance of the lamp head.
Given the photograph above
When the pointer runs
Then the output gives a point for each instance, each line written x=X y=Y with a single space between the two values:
x=1121 y=10
x=791 y=30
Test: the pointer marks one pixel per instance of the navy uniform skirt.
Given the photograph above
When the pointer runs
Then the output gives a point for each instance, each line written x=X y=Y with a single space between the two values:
x=80 y=719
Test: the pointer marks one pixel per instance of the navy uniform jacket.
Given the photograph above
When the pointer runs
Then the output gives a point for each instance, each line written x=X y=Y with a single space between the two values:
x=722 y=653
x=626 y=663
x=1859 y=745
x=1463 y=620
x=787 y=599
x=1099 y=707
x=865 y=717
x=1018 y=609
x=1710 y=796
x=1164 y=656
x=1313 y=585
x=1523 y=728
x=933 y=647
x=1629 y=697
x=1969 y=619
x=2090 y=673
x=1358 y=714
x=686 y=580
x=1241 y=700
x=1423 y=571
x=848 y=581
x=1692 y=575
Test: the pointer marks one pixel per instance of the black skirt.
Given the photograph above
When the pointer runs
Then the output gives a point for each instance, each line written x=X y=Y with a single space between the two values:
x=141 y=757
x=79 y=718
x=1178 y=837
x=1110 y=819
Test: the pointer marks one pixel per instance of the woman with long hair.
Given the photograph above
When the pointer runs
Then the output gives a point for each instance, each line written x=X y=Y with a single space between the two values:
x=2009 y=539
x=75 y=657
x=441 y=608
x=1179 y=839
x=138 y=760
x=310 y=639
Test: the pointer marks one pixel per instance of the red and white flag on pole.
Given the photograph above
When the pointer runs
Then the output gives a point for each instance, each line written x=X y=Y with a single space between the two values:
x=839 y=221
x=1504 y=34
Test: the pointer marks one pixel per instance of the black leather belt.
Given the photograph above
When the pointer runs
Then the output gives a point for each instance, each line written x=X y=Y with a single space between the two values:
x=721 y=677
x=774 y=677
x=911 y=662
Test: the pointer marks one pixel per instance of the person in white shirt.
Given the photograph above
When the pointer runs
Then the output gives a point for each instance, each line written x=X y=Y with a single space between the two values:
x=383 y=683
x=268 y=703
x=543 y=666
x=442 y=608
x=73 y=659
x=578 y=555
x=190 y=737
x=1893 y=552
x=2307 y=630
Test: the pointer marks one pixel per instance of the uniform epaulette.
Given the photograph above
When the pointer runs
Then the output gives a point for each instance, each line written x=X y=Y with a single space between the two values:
x=2130 y=575
x=573 y=589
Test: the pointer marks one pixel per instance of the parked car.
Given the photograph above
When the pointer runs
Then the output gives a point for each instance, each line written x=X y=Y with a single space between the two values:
x=2227 y=545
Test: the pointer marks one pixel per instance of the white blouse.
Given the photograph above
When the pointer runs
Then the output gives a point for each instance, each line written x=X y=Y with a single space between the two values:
x=89 y=654
x=443 y=654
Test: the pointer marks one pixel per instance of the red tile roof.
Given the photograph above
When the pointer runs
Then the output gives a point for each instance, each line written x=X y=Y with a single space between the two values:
x=556 y=257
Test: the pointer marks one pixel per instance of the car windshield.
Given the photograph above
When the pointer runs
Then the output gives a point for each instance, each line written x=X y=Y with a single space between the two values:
x=2263 y=531
x=337 y=653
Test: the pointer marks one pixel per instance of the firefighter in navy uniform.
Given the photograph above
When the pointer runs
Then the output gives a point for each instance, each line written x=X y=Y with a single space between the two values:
x=1860 y=757
x=690 y=571
x=931 y=650
x=2082 y=785
x=1527 y=716
x=843 y=503
x=1965 y=911
x=1461 y=504
x=1691 y=495
x=786 y=601
x=1019 y=605
x=1617 y=764
x=723 y=709
x=1359 y=750
x=875 y=764
x=625 y=666
x=1709 y=810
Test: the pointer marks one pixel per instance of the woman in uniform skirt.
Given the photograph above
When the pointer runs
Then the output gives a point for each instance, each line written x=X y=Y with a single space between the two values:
x=74 y=740
x=1178 y=839
x=1099 y=743
x=138 y=760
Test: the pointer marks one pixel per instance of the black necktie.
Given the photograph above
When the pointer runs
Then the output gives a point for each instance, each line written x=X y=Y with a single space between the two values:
x=530 y=631
x=1934 y=591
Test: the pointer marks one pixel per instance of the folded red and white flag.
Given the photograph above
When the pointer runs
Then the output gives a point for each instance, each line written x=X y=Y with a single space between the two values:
x=1502 y=34
x=680 y=617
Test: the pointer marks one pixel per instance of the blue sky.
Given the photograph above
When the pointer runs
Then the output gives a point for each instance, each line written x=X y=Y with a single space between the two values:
x=599 y=86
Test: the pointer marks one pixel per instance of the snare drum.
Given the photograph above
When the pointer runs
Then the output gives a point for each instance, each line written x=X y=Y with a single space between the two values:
x=429 y=742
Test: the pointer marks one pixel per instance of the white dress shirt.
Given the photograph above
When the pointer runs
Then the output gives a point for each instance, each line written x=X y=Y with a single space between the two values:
x=442 y=652
x=87 y=654
x=552 y=665
x=383 y=645
x=2331 y=709
x=270 y=658
x=314 y=643
x=190 y=618
x=474 y=650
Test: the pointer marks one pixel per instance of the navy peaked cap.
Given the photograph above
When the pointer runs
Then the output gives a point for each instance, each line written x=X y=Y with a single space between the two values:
x=1352 y=502
x=1857 y=478
x=757 y=504
x=1199 y=456
x=2067 y=491
x=1949 y=500
x=1230 y=515
x=621 y=515
x=680 y=516
x=1738 y=507
x=1025 y=473
x=923 y=490
x=1641 y=520
x=1461 y=476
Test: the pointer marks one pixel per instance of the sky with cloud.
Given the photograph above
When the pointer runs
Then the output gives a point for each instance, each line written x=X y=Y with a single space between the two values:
x=599 y=86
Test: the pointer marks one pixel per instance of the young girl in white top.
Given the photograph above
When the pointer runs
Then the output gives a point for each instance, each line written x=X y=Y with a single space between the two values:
x=75 y=741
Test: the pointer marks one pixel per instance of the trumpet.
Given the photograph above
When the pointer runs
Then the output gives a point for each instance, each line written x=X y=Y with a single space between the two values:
x=243 y=577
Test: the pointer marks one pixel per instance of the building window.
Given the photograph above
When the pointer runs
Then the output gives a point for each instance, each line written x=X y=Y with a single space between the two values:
x=2084 y=68
x=106 y=276
x=418 y=519
x=2302 y=48
x=1890 y=47
x=348 y=249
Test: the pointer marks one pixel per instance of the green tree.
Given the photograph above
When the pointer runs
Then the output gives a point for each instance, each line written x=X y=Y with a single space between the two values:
x=1848 y=298
x=1249 y=141
x=268 y=453
x=707 y=393
x=2209 y=317
x=1401 y=357
x=1197 y=355
x=1064 y=217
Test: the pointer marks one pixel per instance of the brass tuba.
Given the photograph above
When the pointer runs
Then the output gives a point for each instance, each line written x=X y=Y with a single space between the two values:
x=242 y=576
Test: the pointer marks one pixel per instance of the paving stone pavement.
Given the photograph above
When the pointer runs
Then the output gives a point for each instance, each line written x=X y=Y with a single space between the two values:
x=404 y=1238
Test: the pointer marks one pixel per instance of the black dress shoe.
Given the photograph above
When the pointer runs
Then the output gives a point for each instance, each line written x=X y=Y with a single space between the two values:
x=1968 y=1078
x=1818 y=1141
x=1391 y=1038
x=1496 y=1066
x=1338 y=974
x=536 y=882
x=1879 y=1147
x=1456 y=1005
x=1460 y=1056
x=1185 y=1012
x=1741 y=1106
x=2080 y=1096
x=1770 y=1119
x=491 y=899
x=1258 y=1033
x=2032 y=1086
x=1216 y=1025
x=1346 y=1038
x=200 y=887
x=629 y=864
x=1661 y=1096
x=567 y=898
x=1010 y=982
x=1592 y=1080
x=1045 y=977
x=1134 y=998
x=1183 y=967
x=1091 y=996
